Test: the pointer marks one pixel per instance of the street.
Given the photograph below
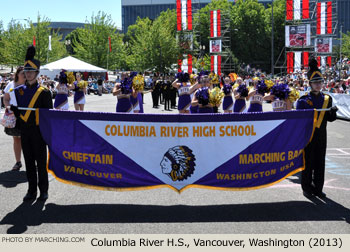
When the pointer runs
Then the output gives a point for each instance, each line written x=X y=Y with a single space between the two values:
x=279 y=209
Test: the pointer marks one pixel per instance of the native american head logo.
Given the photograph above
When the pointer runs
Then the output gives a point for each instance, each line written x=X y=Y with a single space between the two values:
x=178 y=163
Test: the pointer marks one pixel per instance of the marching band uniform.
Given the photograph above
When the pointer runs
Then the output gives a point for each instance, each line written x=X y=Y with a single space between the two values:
x=79 y=96
x=205 y=109
x=312 y=178
x=140 y=99
x=61 y=99
x=184 y=97
x=123 y=103
x=155 y=93
x=173 y=93
x=227 y=104
x=202 y=96
x=33 y=145
x=256 y=102
x=135 y=103
x=166 y=95
x=239 y=105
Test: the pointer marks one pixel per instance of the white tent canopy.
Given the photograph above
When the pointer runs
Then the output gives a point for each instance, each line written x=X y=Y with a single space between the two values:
x=70 y=64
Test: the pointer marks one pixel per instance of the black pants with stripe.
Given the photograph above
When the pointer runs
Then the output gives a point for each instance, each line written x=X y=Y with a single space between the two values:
x=312 y=178
x=35 y=157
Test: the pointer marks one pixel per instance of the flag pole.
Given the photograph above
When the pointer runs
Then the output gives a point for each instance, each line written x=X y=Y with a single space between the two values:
x=108 y=53
x=22 y=108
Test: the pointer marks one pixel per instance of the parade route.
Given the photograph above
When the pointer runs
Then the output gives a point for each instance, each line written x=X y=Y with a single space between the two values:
x=279 y=209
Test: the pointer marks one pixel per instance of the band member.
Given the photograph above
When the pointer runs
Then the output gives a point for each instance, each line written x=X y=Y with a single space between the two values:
x=256 y=97
x=184 y=88
x=32 y=95
x=61 y=99
x=79 y=92
x=241 y=94
x=123 y=91
x=227 y=104
x=201 y=96
x=312 y=178
x=156 y=92
x=166 y=93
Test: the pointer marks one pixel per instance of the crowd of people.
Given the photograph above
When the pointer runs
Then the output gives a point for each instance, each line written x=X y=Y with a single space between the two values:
x=204 y=92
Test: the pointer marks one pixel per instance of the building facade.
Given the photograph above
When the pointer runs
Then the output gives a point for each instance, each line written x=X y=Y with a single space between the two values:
x=343 y=11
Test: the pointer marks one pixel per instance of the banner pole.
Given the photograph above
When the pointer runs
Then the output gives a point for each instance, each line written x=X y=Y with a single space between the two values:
x=22 y=108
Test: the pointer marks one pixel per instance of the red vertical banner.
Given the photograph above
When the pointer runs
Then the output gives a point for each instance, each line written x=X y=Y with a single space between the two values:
x=289 y=9
x=179 y=62
x=329 y=61
x=212 y=64
x=219 y=65
x=329 y=17
x=219 y=23
x=110 y=44
x=189 y=62
x=34 y=41
x=306 y=59
x=189 y=15
x=318 y=61
x=290 y=62
x=178 y=15
x=318 y=19
x=306 y=9
x=211 y=24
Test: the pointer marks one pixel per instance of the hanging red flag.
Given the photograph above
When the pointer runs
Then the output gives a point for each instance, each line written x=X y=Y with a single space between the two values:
x=110 y=44
x=34 y=42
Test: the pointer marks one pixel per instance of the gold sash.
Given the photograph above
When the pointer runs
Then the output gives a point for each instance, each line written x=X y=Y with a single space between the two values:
x=321 y=116
x=31 y=104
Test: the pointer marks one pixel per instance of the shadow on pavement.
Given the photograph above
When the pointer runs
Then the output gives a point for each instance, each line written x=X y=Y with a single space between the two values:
x=11 y=179
x=27 y=215
x=296 y=178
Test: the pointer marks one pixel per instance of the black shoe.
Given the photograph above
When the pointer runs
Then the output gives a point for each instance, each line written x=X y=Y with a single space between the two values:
x=307 y=194
x=43 y=196
x=29 y=196
x=321 y=195
x=17 y=166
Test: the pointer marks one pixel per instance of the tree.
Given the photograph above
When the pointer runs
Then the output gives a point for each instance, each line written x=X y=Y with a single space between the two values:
x=164 y=41
x=279 y=15
x=140 y=44
x=250 y=37
x=18 y=37
x=153 y=44
x=91 y=43
x=346 y=45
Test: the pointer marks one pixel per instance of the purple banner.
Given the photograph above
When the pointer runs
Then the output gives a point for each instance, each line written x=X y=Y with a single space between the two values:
x=115 y=151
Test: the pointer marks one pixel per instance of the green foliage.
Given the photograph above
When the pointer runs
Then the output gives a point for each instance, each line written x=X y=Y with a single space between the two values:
x=279 y=15
x=346 y=45
x=91 y=43
x=155 y=44
x=16 y=39
x=152 y=44
x=250 y=38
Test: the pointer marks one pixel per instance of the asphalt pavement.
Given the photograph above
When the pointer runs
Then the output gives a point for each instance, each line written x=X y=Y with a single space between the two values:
x=279 y=209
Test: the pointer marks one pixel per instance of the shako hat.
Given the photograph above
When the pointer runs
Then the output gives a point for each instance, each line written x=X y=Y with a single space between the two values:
x=314 y=74
x=30 y=63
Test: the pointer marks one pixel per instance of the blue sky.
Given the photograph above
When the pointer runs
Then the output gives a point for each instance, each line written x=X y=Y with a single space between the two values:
x=58 y=10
